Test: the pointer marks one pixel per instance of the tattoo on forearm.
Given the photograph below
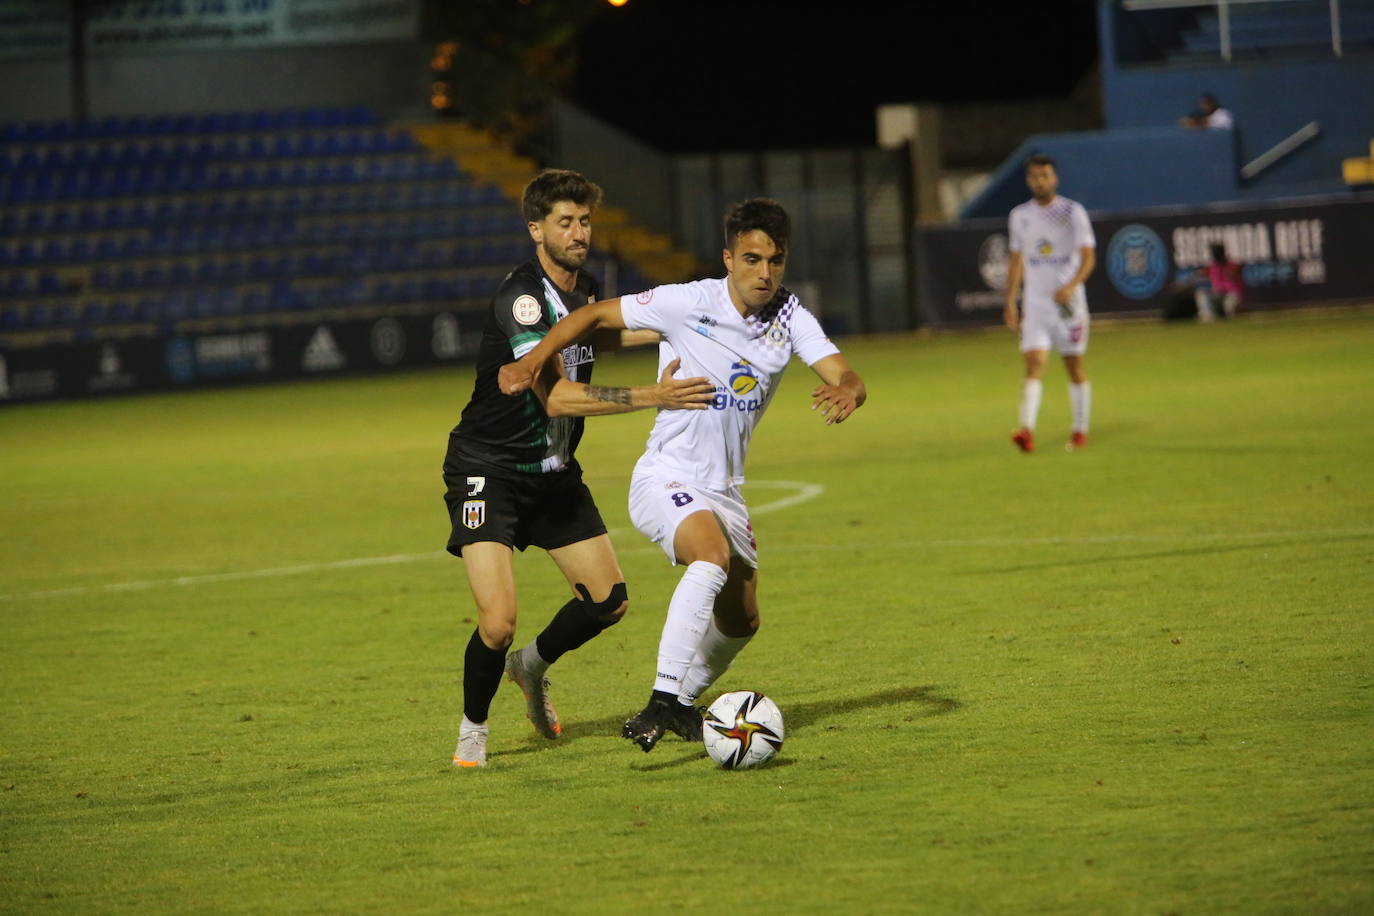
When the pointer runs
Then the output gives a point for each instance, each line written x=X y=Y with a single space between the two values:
x=610 y=395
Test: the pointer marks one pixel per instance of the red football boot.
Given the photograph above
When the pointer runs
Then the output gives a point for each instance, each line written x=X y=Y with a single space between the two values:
x=1078 y=440
x=1024 y=440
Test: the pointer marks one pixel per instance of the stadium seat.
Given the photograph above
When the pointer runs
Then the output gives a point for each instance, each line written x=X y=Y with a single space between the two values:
x=124 y=197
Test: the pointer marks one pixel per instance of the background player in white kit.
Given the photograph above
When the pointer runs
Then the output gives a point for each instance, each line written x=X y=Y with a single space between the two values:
x=739 y=332
x=1053 y=250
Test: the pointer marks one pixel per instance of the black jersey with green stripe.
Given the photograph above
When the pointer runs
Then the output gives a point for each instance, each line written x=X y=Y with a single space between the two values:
x=514 y=434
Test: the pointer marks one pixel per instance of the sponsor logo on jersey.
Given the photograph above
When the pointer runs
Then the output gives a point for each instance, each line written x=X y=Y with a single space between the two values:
x=1044 y=255
x=526 y=310
x=474 y=513
x=575 y=355
x=743 y=380
x=1137 y=262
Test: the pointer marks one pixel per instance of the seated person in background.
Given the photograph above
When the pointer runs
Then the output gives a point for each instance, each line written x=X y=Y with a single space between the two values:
x=1209 y=115
x=1224 y=287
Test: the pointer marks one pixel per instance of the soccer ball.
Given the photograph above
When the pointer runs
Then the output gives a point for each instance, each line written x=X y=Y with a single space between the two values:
x=742 y=729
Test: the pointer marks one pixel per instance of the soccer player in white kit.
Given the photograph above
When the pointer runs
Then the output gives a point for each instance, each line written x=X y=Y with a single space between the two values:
x=1053 y=250
x=739 y=332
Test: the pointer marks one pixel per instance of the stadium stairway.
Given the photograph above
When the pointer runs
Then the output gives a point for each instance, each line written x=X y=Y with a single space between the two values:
x=1359 y=170
x=648 y=258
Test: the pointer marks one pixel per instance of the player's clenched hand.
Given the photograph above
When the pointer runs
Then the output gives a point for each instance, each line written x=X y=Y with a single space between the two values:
x=835 y=402
x=682 y=393
x=515 y=377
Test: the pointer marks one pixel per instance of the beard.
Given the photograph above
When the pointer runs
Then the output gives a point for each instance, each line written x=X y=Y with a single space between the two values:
x=567 y=259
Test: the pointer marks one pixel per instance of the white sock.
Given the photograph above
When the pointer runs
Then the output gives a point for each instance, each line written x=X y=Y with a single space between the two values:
x=1031 y=390
x=689 y=615
x=712 y=660
x=469 y=725
x=1081 y=403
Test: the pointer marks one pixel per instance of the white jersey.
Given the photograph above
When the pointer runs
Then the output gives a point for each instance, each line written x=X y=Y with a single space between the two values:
x=1049 y=239
x=743 y=357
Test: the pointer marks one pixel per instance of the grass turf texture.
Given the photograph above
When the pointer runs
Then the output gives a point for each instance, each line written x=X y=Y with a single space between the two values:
x=1131 y=679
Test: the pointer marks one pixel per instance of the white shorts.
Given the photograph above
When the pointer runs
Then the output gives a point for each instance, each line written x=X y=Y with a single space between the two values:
x=659 y=504
x=1043 y=329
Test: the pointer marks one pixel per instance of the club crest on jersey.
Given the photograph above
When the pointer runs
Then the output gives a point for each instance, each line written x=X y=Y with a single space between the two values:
x=474 y=513
x=744 y=380
x=526 y=310
x=777 y=335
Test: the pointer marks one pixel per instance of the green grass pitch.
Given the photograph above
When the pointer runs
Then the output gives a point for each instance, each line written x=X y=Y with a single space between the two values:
x=1137 y=678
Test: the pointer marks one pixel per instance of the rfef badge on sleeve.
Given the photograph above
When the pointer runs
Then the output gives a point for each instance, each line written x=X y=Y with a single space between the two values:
x=526 y=310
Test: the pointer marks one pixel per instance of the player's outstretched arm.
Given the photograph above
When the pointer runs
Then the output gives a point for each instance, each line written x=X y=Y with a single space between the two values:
x=842 y=391
x=519 y=376
x=576 y=399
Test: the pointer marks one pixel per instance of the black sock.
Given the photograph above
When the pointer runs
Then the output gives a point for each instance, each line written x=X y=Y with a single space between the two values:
x=663 y=696
x=482 y=669
x=570 y=628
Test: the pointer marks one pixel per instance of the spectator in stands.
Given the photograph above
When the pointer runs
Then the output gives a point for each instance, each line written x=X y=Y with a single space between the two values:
x=1223 y=287
x=1209 y=115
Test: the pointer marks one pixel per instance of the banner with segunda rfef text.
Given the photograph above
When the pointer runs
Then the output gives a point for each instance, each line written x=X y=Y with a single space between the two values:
x=129 y=27
x=1292 y=253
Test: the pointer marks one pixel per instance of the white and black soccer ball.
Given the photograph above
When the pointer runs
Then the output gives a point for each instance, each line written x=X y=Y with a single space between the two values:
x=742 y=729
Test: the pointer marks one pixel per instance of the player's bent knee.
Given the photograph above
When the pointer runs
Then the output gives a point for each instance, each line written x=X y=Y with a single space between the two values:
x=497 y=635
x=609 y=612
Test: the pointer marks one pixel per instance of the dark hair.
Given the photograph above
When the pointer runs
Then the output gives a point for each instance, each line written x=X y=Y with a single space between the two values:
x=1219 y=254
x=760 y=213
x=1040 y=159
x=1208 y=97
x=552 y=185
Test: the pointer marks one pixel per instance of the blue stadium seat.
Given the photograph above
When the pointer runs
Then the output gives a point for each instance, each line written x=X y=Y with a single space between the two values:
x=39 y=317
x=121 y=311
x=255 y=303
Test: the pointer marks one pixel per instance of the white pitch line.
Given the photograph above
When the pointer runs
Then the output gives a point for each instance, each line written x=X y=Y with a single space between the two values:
x=804 y=492
x=233 y=576
x=1086 y=539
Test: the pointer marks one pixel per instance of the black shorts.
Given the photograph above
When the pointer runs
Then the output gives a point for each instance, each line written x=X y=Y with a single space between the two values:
x=546 y=510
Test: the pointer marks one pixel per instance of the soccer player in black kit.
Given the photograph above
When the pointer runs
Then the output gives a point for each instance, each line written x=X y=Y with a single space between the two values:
x=511 y=477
